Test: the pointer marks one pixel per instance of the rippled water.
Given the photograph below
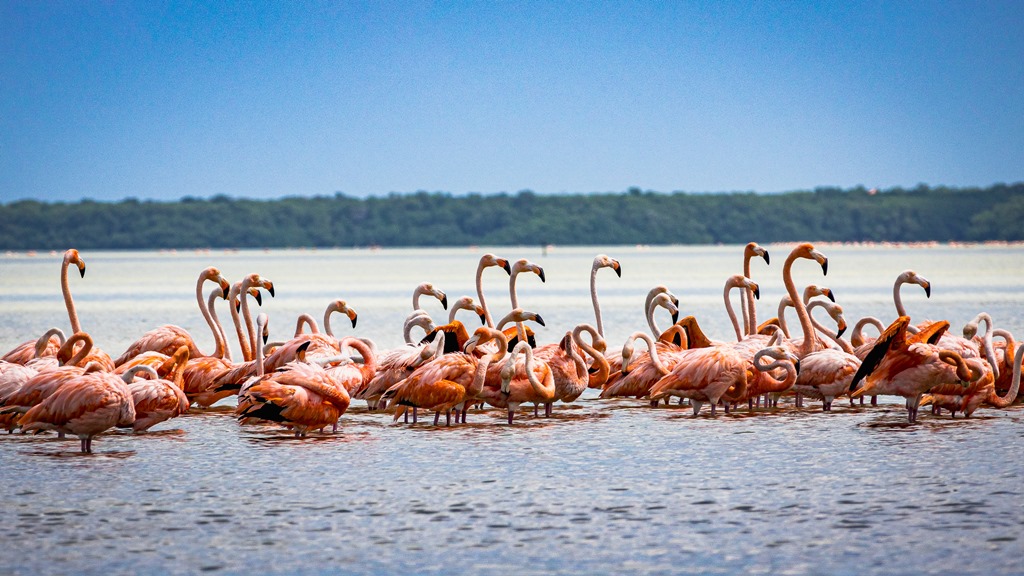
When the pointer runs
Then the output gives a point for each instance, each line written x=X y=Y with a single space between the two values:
x=602 y=486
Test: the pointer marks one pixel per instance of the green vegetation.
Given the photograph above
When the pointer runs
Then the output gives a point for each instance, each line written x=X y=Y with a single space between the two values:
x=439 y=219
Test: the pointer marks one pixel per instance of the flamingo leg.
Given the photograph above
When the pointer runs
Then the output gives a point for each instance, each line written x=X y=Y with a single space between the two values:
x=437 y=416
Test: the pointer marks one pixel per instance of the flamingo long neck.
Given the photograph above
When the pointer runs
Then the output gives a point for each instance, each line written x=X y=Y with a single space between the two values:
x=1004 y=401
x=593 y=299
x=547 y=387
x=480 y=294
x=828 y=332
x=414 y=320
x=810 y=342
x=369 y=358
x=986 y=344
x=512 y=288
x=258 y=355
x=652 y=349
x=69 y=303
x=306 y=320
x=900 y=310
x=600 y=376
x=243 y=340
x=732 y=313
x=649 y=309
x=783 y=304
x=220 y=339
x=204 y=310
x=776 y=385
x=857 y=336
x=44 y=341
x=81 y=354
x=963 y=371
x=749 y=311
x=255 y=350
x=419 y=291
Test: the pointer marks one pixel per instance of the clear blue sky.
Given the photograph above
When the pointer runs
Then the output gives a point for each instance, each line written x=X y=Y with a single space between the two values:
x=107 y=100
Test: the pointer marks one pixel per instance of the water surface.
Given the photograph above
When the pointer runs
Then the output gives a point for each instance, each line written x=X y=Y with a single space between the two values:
x=601 y=487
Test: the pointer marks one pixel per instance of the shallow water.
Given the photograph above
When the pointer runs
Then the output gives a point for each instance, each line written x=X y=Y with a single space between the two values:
x=602 y=486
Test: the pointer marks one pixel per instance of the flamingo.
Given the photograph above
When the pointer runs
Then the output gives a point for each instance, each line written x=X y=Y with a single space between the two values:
x=85 y=406
x=301 y=395
x=659 y=296
x=320 y=345
x=569 y=368
x=167 y=338
x=810 y=292
x=749 y=313
x=46 y=381
x=200 y=373
x=158 y=399
x=808 y=252
x=863 y=345
x=1001 y=355
x=827 y=373
x=704 y=375
x=45 y=346
x=396 y=365
x=762 y=381
x=662 y=356
x=487 y=261
x=978 y=392
x=600 y=261
x=450 y=381
x=456 y=332
x=519 y=332
x=909 y=365
x=533 y=383
x=26 y=351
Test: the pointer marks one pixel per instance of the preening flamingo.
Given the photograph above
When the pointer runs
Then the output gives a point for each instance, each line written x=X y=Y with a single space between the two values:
x=568 y=366
x=763 y=381
x=978 y=392
x=451 y=381
x=908 y=365
x=530 y=382
x=158 y=399
x=704 y=375
x=168 y=338
x=301 y=395
x=659 y=296
x=395 y=365
x=640 y=374
x=85 y=406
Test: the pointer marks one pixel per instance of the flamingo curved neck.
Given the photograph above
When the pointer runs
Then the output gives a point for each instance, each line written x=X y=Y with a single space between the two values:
x=303 y=321
x=593 y=299
x=69 y=303
x=221 y=349
x=810 y=341
x=480 y=294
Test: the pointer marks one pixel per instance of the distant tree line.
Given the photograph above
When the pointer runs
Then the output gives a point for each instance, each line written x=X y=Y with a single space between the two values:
x=441 y=219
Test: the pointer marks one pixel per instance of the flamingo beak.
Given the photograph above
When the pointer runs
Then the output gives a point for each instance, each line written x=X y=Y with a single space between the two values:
x=675 y=317
x=831 y=295
x=353 y=316
x=444 y=301
x=797 y=366
x=842 y=329
x=81 y=269
x=618 y=269
x=757 y=292
x=541 y=273
x=270 y=288
x=259 y=299
x=927 y=289
x=539 y=320
x=767 y=260
x=505 y=266
x=483 y=319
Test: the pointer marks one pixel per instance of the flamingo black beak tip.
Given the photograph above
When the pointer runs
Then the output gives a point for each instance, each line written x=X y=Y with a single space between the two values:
x=540 y=320
x=767 y=260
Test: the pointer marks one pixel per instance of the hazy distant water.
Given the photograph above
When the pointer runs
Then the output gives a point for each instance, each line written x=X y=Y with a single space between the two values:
x=600 y=487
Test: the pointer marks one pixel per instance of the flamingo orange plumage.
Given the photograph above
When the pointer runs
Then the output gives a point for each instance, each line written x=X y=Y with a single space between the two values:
x=301 y=395
x=85 y=406
x=450 y=381
x=908 y=365
x=168 y=338
x=159 y=399
x=532 y=381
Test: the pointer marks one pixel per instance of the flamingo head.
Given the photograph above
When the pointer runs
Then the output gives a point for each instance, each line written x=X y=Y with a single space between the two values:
x=604 y=261
x=488 y=260
x=71 y=257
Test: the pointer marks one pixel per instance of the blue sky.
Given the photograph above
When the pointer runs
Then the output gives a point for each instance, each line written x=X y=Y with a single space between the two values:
x=108 y=100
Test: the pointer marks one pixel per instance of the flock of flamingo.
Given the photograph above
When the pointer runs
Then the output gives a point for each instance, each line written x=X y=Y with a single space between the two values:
x=306 y=383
